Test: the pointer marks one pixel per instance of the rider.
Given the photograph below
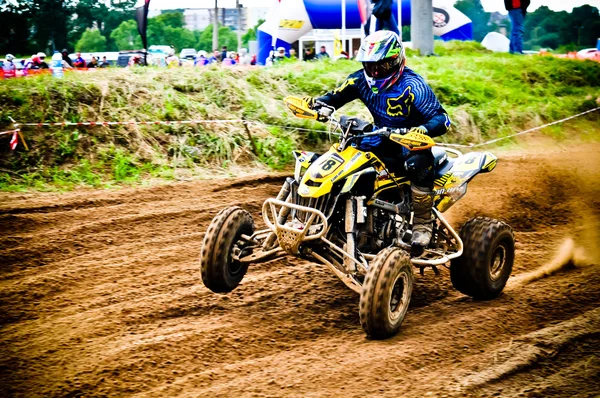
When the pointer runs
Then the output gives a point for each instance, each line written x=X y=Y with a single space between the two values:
x=9 y=68
x=397 y=97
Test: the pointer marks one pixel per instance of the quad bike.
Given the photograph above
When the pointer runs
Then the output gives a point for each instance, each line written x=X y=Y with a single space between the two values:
x=345 y=210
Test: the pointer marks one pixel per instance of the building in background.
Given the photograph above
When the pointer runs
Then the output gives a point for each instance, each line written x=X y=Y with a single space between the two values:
x=200 y=18
x=197 y=19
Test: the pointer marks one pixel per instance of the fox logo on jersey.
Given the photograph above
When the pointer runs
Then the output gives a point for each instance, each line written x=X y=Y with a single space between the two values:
x=400 y=105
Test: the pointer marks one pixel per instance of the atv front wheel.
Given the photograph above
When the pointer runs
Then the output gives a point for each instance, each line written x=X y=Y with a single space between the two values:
x=487 y=260
x=221 y=272
x=386 y=293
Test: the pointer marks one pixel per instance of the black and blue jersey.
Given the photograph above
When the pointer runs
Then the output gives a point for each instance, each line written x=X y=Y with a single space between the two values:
x=410 y=102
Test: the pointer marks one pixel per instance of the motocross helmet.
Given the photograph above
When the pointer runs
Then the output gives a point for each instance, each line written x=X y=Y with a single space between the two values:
x=10 y=57
x=383 y=59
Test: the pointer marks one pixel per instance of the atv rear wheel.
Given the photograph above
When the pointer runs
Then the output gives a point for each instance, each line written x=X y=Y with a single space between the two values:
x=221 y=272
x=386 y=293
x=486 y=263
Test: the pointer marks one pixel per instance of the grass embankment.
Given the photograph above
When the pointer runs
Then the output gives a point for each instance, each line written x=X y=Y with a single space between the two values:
x=487 y=95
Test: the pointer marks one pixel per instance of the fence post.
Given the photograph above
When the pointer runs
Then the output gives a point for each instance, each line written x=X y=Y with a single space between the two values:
x=254 y=149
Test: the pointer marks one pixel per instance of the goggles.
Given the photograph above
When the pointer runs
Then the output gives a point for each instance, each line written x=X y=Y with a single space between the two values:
x=382 y=69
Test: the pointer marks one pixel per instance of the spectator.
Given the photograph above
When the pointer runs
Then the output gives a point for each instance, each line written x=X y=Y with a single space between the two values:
x=201 y=59
x=66 y=58
x=309 y=55
x=39 y=62
x=93 y=63
x=79 y=61
x=214 y=58
x=323 y=54
x=254 y=60
x=29 y=64
x=8 y=67
x=104 y=63
x=172 y=59
x=280 y=54
x=228 y=60
x=293 y=54
x=344 y=55
x=245 y=58
x=382 y=10
x=517 y=9
x=136 y=60
x=270 y=58
x=223 y=53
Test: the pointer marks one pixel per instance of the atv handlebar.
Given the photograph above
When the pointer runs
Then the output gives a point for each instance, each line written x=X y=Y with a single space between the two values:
x=325 y=111
x=386 y=132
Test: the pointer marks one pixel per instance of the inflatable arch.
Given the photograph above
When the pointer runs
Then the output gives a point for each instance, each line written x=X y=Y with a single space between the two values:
x=288 y=20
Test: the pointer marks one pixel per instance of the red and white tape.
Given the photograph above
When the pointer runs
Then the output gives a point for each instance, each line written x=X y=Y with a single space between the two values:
x=133 y=123
x=531 y=130
x=17 y=132
x=9 y=132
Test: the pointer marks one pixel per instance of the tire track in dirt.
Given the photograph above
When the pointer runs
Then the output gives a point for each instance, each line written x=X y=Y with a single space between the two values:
x=84 y=316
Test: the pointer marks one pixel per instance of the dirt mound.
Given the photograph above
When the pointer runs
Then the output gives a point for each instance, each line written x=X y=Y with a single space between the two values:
x=100 y=295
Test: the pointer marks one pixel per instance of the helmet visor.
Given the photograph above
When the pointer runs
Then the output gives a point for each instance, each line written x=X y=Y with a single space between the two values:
x=382 y=69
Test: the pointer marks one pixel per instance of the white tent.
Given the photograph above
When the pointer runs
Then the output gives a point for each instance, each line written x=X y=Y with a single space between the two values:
x=496 y=42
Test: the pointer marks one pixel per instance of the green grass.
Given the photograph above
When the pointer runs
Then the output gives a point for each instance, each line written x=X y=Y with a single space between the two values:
x=487 y=96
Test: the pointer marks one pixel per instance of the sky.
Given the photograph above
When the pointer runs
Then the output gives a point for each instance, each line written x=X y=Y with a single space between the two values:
x=488 y=5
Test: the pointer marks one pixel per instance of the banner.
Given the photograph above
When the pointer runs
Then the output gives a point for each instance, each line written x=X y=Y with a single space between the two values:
x=141 y=16
x=364 y=9
x=337 y=44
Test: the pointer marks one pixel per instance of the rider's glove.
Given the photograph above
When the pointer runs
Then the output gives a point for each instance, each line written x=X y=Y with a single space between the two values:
x=310 y=101
x=370 y=142
x=420 y=130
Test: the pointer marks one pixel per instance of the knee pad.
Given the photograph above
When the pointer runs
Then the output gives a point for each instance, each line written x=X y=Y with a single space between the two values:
x=419 y=169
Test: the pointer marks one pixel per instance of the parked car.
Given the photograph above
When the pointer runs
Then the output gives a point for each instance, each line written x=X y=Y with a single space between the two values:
x=124 y=57
x=159 y=49
x=188 y=53
x=588 y=53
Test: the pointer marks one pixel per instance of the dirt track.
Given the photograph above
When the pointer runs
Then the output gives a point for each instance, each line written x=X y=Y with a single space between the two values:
x=100 y=295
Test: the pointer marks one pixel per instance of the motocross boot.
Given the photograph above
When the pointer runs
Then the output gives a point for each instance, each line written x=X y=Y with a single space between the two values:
x=422 y=199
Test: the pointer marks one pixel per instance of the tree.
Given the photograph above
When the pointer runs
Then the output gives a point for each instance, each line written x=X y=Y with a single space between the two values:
x=172 y=19
x=251 y=34
x=179 y=37
x=227 y=37
x=549 y=29
x=91 y=41
x=15 y=20
x=474 y=10
x=50 y=18
x=585 y=21
x=167 y=29
x=100 y=15
x=126 y=36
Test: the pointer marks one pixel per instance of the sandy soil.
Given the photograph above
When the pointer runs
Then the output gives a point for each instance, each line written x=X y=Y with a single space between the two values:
x=100 y=295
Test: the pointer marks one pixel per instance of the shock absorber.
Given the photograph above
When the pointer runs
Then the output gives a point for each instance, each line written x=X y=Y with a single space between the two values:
x=284 y=212
x=355 y=214
x=350 y=230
